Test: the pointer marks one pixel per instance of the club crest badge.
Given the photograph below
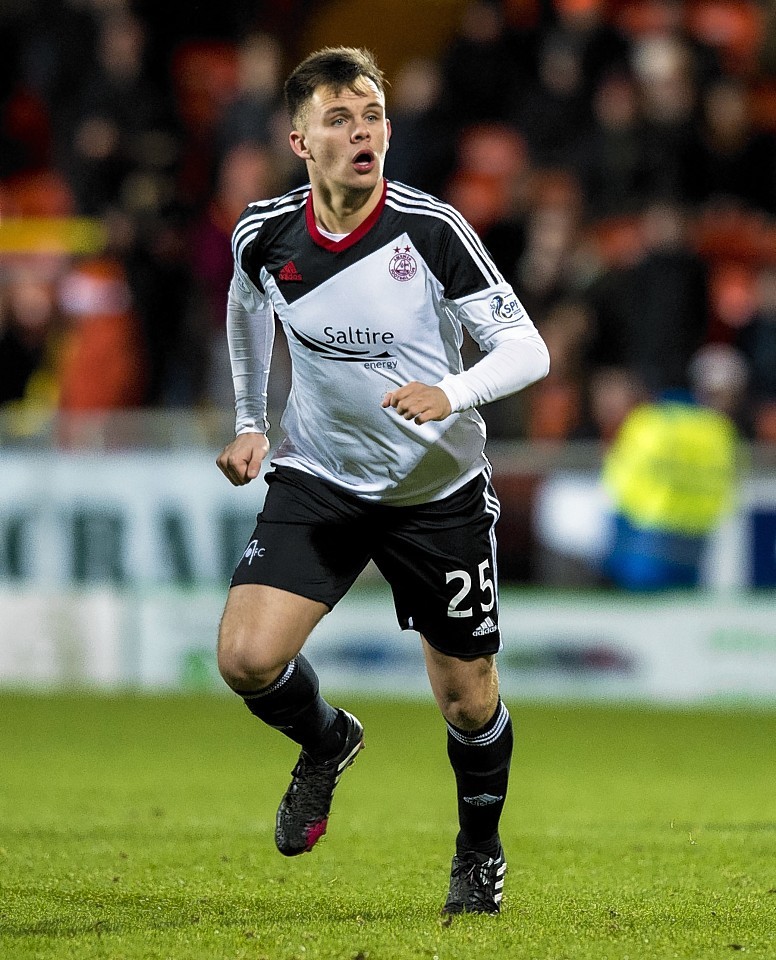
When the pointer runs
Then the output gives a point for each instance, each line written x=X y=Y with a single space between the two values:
x=403 y=265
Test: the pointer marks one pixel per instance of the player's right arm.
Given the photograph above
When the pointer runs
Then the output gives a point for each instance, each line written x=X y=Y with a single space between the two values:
x=250 y=328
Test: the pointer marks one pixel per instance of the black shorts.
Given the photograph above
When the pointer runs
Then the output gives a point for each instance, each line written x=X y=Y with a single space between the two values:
x=439 y=558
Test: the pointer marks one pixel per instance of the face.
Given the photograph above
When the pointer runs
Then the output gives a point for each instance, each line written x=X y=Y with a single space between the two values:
x=343 y=137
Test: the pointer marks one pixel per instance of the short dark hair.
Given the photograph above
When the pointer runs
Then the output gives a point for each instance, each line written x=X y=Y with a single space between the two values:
x=336 y=67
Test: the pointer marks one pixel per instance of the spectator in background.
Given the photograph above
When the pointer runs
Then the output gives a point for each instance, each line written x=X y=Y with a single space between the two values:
x=612 y=393
x=491 y=170
x=556 y=404
x=600 y=46
x=668 y=93
x=551 y=111
x=423 y=156
x=125 y=127
x=101 y=364
x=757 y=342
x=669 y=20
x=730 y=161
x=554 y=263
x=671 y=472
x=652 y=315
x=540 y=245
x=250 y=116
x=718 y=375
x=482 y=64
x=246 y=174
x=25 y=131
x=767 y=55
x=615 y=171
x=55 y=46
x=29 y=318
x=154 y=250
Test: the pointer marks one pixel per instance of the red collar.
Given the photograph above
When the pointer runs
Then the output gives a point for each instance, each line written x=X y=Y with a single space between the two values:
x=361 y=230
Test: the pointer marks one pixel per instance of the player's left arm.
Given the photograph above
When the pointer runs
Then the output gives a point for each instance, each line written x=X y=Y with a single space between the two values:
x=515 y=355
x=511 y=365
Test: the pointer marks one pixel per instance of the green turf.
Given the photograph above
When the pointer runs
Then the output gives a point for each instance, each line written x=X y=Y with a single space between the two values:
x=142 y=828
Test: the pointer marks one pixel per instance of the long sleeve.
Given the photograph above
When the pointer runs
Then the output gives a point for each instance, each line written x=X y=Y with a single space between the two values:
x=250 y=330
x=510 y=366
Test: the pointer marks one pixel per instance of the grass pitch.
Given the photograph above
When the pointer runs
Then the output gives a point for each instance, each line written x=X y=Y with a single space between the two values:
x=142 y=828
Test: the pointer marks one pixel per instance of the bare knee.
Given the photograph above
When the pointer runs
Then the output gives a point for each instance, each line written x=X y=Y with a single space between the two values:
x=262 y=629
x=246 y=662
x=465 y=690
x=466 y=709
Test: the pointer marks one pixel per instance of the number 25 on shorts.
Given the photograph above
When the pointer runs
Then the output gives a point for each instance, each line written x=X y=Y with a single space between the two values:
x=486 y=587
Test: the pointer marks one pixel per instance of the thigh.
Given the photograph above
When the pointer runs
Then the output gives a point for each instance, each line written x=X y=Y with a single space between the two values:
x=309 y=540
x=263 y=628
x=440 y=560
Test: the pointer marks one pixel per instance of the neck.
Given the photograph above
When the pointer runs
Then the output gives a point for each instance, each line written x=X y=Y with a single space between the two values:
x=343 y=211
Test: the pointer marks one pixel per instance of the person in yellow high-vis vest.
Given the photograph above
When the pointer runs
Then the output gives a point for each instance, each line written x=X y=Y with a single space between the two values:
x=672 y=473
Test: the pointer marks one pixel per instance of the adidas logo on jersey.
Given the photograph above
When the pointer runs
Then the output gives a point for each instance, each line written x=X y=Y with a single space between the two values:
x=290 y=273
x=487 y=626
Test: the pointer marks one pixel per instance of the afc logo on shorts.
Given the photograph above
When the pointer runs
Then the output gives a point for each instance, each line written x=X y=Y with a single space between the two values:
x=253 y=550
x=403 y=266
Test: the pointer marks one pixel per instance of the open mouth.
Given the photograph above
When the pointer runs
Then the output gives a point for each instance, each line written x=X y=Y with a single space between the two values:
x=364 y=161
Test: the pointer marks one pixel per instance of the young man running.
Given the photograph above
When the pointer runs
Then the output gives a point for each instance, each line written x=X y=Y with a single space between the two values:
x=382 y=457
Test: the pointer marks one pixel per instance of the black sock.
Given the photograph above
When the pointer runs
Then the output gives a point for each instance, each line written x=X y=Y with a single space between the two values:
x=480 y=760
x=294 y=705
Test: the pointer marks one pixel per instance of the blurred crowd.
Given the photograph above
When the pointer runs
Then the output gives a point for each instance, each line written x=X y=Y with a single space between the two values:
x=617 y=158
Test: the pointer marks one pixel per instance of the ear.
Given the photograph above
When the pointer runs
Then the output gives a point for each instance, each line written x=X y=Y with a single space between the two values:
x=299 y=144
x=387 y=132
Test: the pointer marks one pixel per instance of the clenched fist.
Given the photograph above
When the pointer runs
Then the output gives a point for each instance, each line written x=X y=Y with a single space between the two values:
x=419 y=402
x=240 y=461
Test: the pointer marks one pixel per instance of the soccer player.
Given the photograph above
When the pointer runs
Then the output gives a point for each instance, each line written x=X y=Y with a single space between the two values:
x=382 y=456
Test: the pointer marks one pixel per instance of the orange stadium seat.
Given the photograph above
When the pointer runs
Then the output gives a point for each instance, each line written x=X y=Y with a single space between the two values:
x=762 y=100
x=736 y=28
x=734 y=235
x=204 y=78
x=732 y=296
x=37 y=193
x=637 y=19
x=618 y=240
x=554 y=410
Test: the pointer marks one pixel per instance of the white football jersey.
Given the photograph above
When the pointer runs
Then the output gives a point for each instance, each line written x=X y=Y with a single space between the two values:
x=364 y=315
